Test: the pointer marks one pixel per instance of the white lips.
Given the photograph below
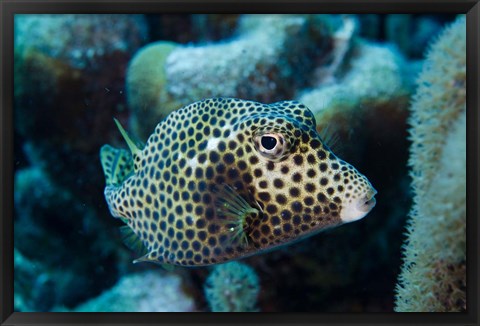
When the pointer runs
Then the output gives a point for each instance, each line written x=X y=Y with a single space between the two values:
x=358 y=208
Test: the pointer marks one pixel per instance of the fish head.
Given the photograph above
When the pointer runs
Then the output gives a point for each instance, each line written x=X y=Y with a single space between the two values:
x=301 y=186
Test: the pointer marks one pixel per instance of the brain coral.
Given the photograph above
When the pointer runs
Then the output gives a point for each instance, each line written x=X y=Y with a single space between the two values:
x=433 y=276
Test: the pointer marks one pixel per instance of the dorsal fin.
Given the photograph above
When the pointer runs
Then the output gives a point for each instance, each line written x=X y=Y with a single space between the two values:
x=331 y=138
x=117 y=164
x=134 y=148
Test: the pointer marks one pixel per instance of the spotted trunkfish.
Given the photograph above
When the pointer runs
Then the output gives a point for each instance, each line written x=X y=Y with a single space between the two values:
x=225 y=178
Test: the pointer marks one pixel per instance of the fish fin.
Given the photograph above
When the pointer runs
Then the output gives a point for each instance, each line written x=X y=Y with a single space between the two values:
x=233 y=210
x=135 y=148
x=159 y=261
x=168 y=267
x=132 y=241
x=117 y=164
x=148 y=258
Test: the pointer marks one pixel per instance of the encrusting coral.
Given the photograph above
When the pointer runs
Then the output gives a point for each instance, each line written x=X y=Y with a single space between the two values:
x=433 y=276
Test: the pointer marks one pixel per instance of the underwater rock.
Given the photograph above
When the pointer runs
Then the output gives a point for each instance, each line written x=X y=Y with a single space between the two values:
x=232 y=287
x=269 y=58
x=51 y=221
x=433 y=276
x=149 y=291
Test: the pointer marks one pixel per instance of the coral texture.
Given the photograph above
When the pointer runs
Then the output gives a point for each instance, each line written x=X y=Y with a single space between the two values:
x=232 y=287
x=364 y=91
x=433 y=275
x=146 y=87
x=94 y=36
x=149 y=291
x=367 y=83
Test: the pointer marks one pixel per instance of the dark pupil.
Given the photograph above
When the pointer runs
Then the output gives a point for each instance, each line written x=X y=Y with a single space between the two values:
x=269 y=142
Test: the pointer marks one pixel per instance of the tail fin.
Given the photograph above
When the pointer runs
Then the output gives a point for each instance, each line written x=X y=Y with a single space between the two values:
x=117 y=164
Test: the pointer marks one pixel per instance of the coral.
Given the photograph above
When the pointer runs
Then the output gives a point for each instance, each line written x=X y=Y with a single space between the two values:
x=433 y=275
x=269 y=57
x=373 y=86
x=79 y=40
x=342 y=40
x=246 y=69
x=149 y=291
x=146 y=87
x=232 y=287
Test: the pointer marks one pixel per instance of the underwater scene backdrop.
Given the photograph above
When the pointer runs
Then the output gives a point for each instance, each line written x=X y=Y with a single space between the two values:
x=385 y=93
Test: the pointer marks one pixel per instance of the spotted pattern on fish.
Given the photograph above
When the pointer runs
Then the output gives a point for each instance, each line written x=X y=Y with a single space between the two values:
x=224 y=178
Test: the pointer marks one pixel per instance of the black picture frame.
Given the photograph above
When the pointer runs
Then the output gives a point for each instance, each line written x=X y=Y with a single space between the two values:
x=10 y=7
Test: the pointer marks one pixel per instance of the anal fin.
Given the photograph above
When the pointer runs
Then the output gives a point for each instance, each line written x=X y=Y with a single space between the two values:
x=132 y=241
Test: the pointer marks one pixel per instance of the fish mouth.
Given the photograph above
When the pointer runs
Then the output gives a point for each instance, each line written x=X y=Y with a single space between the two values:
x=367 y=202
x=359 y=207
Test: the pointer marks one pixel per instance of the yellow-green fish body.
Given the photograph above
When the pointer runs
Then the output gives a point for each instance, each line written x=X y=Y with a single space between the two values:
x=225 y=178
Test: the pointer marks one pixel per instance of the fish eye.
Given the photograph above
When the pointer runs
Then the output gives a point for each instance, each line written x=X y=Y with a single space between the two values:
x=271 y=145
x=268 y=142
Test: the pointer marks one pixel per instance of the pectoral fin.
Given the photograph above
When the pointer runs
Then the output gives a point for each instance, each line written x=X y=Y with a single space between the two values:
x=233 y=209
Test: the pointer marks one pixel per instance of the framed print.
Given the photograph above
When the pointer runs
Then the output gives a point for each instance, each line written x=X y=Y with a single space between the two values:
x=282 y=163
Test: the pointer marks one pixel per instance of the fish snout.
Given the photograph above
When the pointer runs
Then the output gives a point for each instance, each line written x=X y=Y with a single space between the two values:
x=367 y=202
x=359 y=207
